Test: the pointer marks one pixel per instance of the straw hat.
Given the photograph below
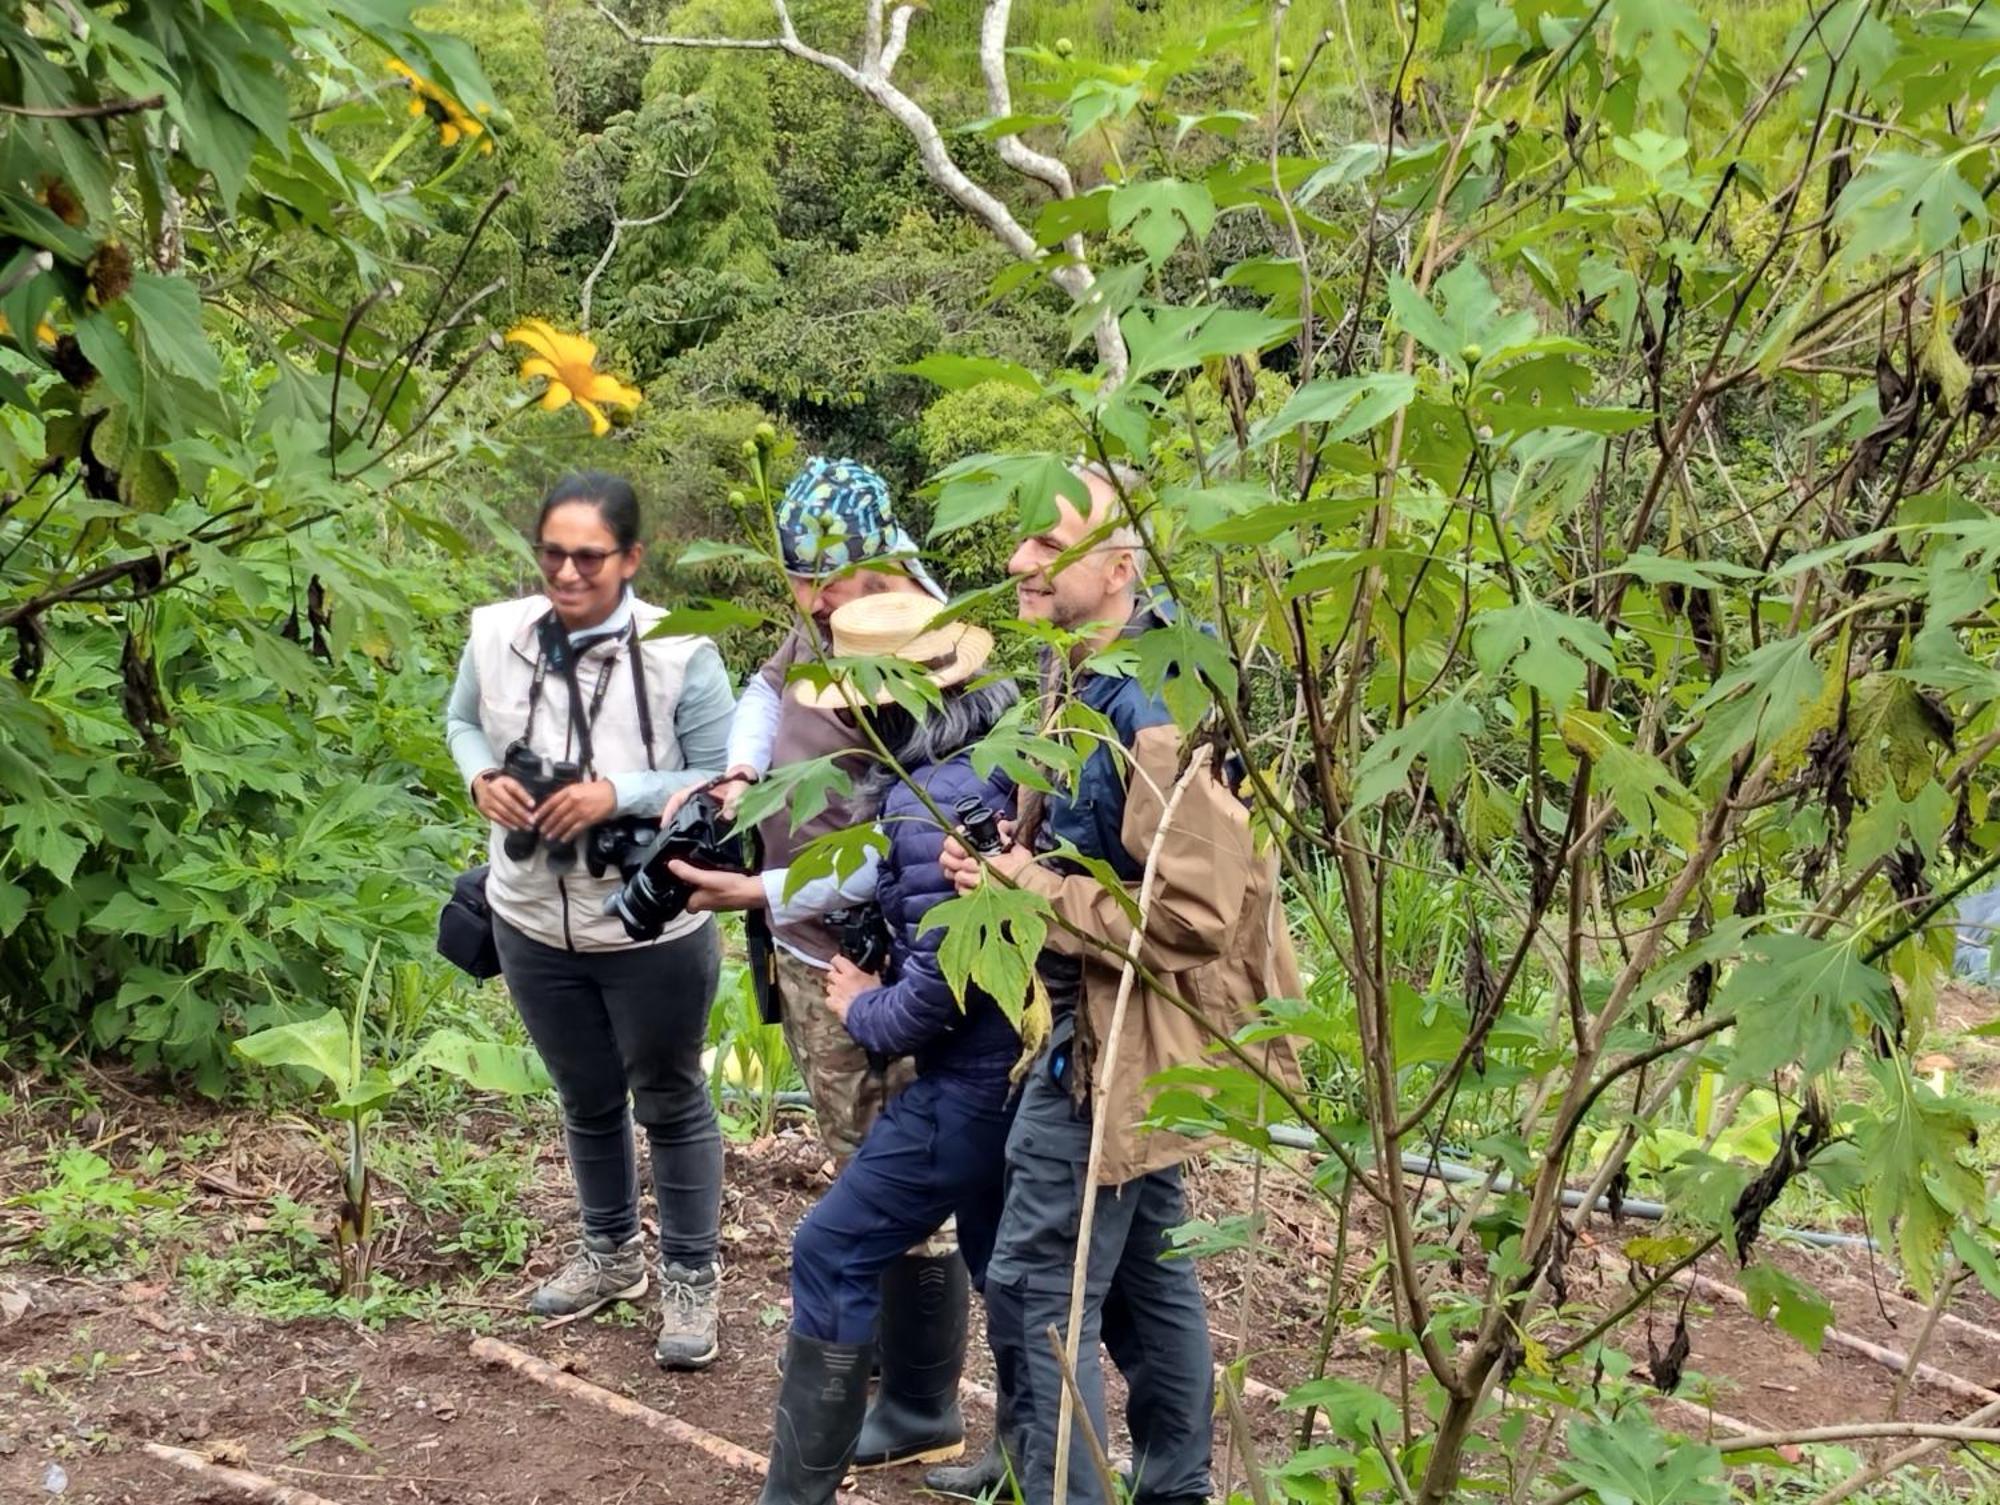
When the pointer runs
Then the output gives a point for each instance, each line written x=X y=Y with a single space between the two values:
x=900 y=624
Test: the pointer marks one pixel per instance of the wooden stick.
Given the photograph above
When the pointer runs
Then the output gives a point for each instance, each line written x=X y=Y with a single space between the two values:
x=1103 y=1071
x=542 y=1372
x=1868 y=1475
x=1889 y=1358
x=239 y=1482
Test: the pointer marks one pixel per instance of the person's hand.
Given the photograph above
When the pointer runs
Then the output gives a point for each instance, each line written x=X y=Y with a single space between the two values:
x=967 y=871
x=729 y=793
x=847 y=983
x=713 y=890
x=575 y=808
x=727 y=790
x=504 y=801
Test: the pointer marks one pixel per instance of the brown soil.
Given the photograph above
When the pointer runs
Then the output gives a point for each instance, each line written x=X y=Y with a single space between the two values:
x=103 y=1365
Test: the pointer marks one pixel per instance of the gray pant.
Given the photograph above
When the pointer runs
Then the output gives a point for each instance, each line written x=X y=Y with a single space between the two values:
x=1146 y=1310
x=629 y=1024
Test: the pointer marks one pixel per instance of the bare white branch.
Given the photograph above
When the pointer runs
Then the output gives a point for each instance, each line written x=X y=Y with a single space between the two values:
x=1073 y=277
x=899 y=33
x=871 y=38
x=1015 y=152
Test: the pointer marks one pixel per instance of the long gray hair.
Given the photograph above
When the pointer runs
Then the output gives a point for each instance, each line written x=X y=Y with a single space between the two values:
x=965 y=716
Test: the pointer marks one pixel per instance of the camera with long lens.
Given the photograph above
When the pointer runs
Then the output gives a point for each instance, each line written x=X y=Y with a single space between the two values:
x=981 y=827
x=541 y=778
x=651 y=896
x=864 y=936
x=618 y=845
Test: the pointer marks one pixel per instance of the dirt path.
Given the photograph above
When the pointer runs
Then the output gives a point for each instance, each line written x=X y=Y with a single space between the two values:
x=90 y=1369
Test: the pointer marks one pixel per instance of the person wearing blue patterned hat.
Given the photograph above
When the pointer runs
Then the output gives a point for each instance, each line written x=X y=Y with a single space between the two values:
x=839 y=540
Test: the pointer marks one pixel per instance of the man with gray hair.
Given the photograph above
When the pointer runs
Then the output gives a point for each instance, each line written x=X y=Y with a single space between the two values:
x=1214 y=927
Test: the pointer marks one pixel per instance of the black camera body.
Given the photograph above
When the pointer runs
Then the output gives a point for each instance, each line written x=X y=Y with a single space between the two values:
x=981 y=827
x=864 y=936
x=618 y=845
x=699 y=835
x=541 y=778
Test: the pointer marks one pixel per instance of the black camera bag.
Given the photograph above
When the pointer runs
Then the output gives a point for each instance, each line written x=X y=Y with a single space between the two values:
x=465 y=927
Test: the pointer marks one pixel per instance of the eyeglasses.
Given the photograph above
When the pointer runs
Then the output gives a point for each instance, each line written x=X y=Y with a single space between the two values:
x=587 y=561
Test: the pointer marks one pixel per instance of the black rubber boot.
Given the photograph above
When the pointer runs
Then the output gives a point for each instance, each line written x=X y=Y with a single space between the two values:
x=820 y=1405
x=981 y=1479
x=915 y=1418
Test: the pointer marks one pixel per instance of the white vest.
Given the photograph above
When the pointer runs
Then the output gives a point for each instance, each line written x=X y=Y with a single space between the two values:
x=567 y=910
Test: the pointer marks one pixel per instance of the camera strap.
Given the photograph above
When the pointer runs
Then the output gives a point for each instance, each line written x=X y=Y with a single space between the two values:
x=555 y=647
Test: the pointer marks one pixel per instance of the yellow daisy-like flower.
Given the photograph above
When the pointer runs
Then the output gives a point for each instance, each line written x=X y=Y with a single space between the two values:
x=45 y=332
x=454 y=122
x=569 y=363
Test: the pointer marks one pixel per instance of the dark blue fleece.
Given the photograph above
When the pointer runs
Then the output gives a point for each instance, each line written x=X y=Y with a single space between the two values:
x=915 y=1014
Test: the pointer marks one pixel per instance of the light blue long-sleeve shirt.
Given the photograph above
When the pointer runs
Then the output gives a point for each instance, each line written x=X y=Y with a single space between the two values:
x=702 y=717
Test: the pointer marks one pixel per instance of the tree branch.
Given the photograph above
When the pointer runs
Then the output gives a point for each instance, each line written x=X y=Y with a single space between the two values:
x=1015 y=152
x=687 y=177
x=103 y=110
x=643 y=39
x=1074 y=277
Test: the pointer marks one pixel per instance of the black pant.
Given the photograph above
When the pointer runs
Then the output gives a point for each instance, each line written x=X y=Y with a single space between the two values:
x=629 y=1023
x=936 y=1151
x=1142 y=1306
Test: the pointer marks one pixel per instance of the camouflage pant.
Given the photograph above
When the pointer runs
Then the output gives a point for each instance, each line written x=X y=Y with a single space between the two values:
x=846 y=1091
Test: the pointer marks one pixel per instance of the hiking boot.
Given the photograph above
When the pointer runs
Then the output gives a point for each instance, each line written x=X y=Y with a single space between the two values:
x=690 y=1315
x=916 y=1418
x=603 y=1270
x=819 y=1416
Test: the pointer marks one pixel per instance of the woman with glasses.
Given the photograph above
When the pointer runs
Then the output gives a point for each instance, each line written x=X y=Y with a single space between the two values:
x=571 y=727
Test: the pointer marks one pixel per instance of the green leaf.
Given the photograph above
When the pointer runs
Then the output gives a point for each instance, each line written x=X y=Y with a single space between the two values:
x=1438 y=734
x=837 y=854
x=1353 y=1410
x=13 y=907
x=169 y=322
x=956 y=373
x=1796 y=1001
x=1348 y=405
x=1757 y=701
x=319 y=1046
x=1906 y=201
x=1918 y=1144
x=1470 y=317
x=1175 y=338
x=982 y=486
x=800 y=789
x=1879 y=827
x=1702 y=574
x=1646 y=794
x=1801 y=1310
x=1185 y=667
x=486 y=1065
x=1544 y=648
x=991 y=939
x=709 y=618
x=1161 y=213
x=1630 y=1461
x=1976 y=1252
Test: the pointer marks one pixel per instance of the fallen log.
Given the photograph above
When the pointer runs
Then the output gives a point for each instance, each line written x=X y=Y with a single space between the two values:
x=239 y=1482
x=542 y=1372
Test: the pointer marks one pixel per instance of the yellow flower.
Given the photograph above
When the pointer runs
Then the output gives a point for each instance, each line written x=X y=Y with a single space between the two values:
x=44 y=331
x=454 y=122
x=569 y=362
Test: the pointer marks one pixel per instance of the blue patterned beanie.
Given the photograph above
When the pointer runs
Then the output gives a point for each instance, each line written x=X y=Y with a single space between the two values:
x=837 y=514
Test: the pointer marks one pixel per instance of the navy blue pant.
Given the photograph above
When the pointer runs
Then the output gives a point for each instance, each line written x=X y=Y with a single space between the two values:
x=1142 y=1306
x=936 y=1150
